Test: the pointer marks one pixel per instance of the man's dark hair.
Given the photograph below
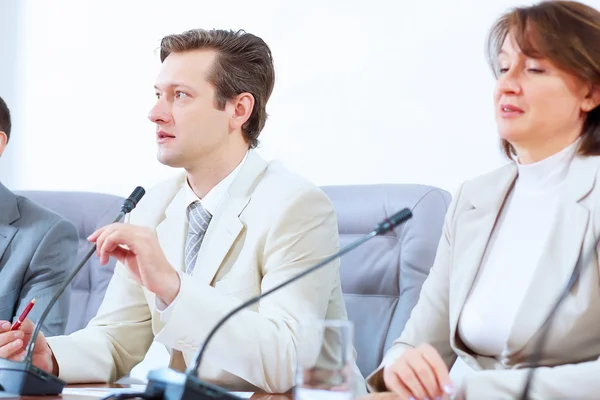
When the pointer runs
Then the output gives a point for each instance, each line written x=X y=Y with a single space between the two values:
x=5 y=118
x=244 y=64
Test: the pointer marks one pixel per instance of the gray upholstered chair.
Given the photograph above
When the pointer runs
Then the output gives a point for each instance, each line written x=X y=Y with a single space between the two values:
x=88 y=212
x=382 y=279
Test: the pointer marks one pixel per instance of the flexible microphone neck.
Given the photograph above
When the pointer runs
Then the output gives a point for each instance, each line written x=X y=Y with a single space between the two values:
x=536 y=356
x=385 y=226
x=128 y=205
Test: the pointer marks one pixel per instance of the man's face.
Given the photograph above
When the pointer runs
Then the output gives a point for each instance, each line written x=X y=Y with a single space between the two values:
x=189 y=126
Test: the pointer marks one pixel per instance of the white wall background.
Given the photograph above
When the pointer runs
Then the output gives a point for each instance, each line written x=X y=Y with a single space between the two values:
x=9 y=72
x=366 y=92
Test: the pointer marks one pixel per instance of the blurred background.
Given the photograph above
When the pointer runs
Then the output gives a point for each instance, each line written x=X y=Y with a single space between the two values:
x=366 y=91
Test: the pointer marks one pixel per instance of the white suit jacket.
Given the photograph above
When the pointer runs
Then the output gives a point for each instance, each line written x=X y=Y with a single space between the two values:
x=570 y=365
x=270 y=226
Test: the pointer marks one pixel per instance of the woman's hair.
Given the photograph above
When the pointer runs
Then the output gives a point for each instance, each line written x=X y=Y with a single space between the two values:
x=567 y=33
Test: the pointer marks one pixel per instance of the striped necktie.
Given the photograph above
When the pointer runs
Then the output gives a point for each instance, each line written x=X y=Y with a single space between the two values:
x=198 y=220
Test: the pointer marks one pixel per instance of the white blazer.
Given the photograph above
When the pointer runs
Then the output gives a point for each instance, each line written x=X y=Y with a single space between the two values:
x=270 y=226
x=570 y=365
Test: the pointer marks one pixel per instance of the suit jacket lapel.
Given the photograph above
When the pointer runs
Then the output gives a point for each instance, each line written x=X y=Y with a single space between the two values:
x=225 y=225
x=473 y=230
x=561 y=254
x=9 y=213
x=171 y=230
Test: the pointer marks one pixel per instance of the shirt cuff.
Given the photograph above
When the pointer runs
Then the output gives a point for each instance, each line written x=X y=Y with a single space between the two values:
x=163 y=310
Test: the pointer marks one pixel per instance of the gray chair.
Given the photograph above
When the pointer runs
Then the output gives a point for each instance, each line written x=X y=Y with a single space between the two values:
x=88 y=212
x=382 y=279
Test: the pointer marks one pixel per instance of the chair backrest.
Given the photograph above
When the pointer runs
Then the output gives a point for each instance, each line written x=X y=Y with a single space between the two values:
x=382 y=279
x=88 y=212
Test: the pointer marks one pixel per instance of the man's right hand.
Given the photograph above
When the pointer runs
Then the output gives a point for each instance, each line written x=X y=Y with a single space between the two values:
x=419 y=373
x=13 y=344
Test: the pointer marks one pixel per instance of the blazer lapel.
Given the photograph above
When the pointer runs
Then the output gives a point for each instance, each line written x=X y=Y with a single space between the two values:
x=171 y=231
x=472 y=235
x=561 y=254
x=7 y=232
x=9 y=213
x=225 y=226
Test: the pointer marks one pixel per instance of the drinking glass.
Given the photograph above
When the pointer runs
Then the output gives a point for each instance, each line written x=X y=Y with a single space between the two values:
x=325 y=361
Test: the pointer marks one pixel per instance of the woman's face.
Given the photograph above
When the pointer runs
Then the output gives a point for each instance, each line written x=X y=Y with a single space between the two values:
x=535 y=102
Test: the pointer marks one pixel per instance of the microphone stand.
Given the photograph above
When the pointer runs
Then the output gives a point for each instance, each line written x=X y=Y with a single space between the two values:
x=168 y=384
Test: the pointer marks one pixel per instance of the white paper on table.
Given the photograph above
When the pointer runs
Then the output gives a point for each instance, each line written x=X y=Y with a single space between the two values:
x=243 y=395
x=102 y=392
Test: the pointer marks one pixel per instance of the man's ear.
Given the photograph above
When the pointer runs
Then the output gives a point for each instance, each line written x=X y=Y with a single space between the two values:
x=3 y=141
x=242 y=107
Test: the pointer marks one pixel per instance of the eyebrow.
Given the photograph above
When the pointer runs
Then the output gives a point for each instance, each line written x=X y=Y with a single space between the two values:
x=175 y=84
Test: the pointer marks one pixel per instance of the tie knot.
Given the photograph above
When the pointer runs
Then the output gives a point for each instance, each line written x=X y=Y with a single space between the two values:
x=198 y=218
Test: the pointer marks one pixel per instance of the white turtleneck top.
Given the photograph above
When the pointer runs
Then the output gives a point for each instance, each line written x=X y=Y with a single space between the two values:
x=513 y=253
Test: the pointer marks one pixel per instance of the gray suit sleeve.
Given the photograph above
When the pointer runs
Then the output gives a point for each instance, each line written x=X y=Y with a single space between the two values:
x=50 y=265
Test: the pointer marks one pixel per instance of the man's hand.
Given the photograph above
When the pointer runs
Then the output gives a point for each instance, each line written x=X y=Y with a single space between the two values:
x=138 y=249
x=13 y=344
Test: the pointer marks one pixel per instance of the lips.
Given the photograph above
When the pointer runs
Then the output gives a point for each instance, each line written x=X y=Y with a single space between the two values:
x=510 y=108
x=510 y=111
x=164 y=135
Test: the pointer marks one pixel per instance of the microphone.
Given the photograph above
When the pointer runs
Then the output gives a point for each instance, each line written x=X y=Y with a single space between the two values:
x=168 y=384
x=23 y=377
x=535 y=357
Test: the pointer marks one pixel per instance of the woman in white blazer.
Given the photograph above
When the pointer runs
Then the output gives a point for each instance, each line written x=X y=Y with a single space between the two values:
x=512 y=237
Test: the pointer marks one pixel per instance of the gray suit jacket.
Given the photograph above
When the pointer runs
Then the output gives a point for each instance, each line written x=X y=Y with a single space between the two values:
x=37 y=252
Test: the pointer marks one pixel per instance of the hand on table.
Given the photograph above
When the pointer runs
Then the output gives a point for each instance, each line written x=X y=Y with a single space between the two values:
x=419 y=373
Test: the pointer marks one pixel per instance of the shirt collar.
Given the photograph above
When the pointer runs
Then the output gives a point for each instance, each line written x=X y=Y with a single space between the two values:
x=213 y=198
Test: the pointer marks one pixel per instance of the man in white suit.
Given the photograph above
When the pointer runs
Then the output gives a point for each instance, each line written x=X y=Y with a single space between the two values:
x=230 y=227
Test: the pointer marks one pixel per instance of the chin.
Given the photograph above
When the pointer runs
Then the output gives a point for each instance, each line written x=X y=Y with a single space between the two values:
x=169 y=160
x=512 y=134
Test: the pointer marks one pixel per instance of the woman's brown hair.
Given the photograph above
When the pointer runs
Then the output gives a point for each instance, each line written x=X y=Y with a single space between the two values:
x=566 y=33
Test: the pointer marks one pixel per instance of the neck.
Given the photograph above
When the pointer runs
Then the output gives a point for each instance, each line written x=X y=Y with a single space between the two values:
x=205 y=175
x=529 y=153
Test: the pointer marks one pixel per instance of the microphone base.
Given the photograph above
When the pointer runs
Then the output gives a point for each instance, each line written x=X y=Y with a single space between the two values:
x=167 y=384
x=28 y=380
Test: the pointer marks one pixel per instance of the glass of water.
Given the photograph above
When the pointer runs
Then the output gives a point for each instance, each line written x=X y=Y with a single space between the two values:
x=325 y=367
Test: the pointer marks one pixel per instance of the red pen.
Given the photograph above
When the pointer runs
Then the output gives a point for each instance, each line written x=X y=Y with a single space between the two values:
x=23 y=315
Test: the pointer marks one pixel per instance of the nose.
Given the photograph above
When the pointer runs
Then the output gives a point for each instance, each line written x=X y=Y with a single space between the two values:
x=508 y=83
x=160 y=112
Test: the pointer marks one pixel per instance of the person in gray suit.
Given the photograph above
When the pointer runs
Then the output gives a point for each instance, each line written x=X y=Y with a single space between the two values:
x=37 y=252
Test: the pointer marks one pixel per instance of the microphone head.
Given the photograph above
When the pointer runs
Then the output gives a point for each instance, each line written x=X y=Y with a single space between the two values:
x=133 y=199
x=390 y=223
